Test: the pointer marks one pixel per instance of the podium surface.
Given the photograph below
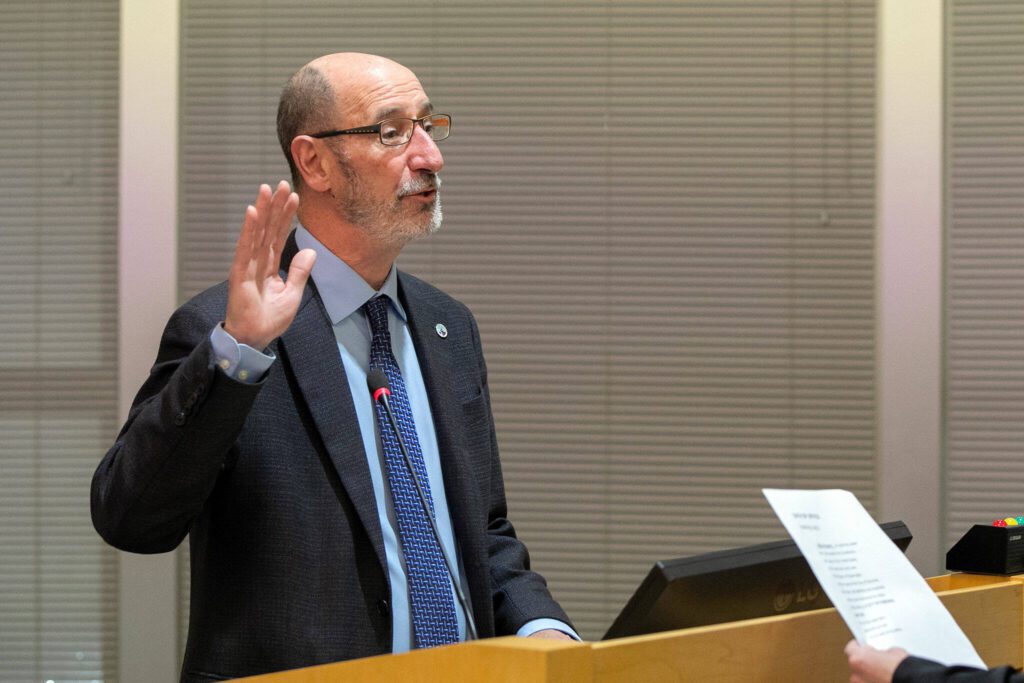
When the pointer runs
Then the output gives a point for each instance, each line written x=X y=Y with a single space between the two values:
x=807 y=646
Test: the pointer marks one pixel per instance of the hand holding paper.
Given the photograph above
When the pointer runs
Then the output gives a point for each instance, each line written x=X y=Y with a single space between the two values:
x=875 y=589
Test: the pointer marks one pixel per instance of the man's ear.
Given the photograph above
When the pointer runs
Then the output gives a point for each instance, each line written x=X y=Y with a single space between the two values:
x=313 y=162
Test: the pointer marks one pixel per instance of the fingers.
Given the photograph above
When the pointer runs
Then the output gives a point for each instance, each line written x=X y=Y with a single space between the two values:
x=264 y=231
x=282 y=209
x=868 y=665
x=551 y=634
x=243 y=247
x=301 y=267
x=249 y=235
x=260 y=306
x=855 y=658
x=291 y=207
x=286 y=203
x=262 y=205
x=280 y=213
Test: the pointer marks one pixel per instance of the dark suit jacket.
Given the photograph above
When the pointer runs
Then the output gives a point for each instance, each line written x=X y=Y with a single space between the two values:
x=271 y=483
x=917 y=670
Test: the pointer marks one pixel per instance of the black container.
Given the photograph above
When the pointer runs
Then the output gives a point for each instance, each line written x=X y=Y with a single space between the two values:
x=988 y=550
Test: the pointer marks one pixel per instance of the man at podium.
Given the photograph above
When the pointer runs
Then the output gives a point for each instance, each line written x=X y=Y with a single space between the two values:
x=319 y=426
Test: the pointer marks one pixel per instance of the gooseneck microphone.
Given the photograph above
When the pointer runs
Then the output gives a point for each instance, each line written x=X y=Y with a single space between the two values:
x=381 y=390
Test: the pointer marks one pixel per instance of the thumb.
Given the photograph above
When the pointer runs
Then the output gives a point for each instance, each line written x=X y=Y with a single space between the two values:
x=300 y=268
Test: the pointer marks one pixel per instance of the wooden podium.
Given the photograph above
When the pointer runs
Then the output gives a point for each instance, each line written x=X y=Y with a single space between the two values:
x=796 y=647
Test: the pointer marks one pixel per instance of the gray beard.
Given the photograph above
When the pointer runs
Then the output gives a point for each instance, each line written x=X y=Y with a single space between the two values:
x=387 y=222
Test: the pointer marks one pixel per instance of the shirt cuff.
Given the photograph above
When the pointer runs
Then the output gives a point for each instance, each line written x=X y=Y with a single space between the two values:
x=239 y=361
x=531 y=627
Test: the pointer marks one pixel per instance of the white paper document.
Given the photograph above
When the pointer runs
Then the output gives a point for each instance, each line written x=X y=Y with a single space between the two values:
x=881 y=597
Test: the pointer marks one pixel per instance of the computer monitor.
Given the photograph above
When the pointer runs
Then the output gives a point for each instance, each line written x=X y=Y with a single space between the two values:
x=729 y=585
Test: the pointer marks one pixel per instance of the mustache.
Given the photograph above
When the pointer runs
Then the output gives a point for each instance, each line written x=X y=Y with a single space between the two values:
x=423 y=183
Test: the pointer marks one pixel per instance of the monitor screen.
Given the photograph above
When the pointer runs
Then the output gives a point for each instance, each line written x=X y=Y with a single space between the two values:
x=728 y=585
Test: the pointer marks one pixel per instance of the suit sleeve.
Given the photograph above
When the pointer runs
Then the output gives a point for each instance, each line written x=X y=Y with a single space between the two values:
x=519 y=595
x=178 y=438
x=917 y=670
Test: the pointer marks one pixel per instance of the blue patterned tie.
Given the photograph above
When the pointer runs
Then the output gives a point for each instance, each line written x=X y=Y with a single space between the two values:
x=433 y=608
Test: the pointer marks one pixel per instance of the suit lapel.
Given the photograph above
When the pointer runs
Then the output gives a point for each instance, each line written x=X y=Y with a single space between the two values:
x=309 y=349
x=435 y=357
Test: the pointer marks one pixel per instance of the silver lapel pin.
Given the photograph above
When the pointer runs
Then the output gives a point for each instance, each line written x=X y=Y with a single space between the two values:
x=441 y=330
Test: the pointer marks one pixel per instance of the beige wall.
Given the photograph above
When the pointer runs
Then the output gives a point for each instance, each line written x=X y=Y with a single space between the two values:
x=909 y=272
x=147 y=293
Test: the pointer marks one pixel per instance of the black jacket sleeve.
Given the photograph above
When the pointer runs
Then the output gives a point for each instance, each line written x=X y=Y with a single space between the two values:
x=152 y=483
x=917 y=670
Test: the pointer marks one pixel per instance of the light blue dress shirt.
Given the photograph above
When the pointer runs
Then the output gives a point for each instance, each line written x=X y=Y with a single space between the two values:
x=344 y=292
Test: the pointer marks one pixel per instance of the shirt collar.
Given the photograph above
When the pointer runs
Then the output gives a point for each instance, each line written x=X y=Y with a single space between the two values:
x=342 y=289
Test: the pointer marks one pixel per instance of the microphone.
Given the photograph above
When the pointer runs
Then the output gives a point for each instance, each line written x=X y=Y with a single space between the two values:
x=380 y=389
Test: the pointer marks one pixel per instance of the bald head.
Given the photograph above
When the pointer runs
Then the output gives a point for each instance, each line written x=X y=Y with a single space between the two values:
x=355 y=70
x=330 y=89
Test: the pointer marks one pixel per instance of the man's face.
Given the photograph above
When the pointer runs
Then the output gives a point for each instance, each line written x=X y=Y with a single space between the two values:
x=384 y=212
x=391 y=193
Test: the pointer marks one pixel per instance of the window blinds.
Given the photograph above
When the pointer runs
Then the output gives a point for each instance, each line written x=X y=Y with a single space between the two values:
x=985 y=263
x=58 y=338
x=661 y=214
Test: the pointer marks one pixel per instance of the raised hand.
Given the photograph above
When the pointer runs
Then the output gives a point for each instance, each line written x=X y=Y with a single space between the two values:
x=261 y=305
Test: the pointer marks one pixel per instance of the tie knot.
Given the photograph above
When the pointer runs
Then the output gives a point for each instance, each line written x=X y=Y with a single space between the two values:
x=377 y=312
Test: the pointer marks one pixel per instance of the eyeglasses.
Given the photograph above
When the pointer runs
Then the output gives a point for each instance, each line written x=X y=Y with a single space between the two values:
x=397 y=132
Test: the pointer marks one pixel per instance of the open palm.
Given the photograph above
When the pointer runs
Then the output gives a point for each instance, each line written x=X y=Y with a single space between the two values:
x=261 y=305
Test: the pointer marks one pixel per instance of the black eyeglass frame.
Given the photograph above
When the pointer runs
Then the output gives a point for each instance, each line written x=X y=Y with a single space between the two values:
x=376 y=129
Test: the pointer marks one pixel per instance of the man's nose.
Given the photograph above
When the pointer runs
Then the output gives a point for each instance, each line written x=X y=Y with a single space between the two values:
x=424 y=154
